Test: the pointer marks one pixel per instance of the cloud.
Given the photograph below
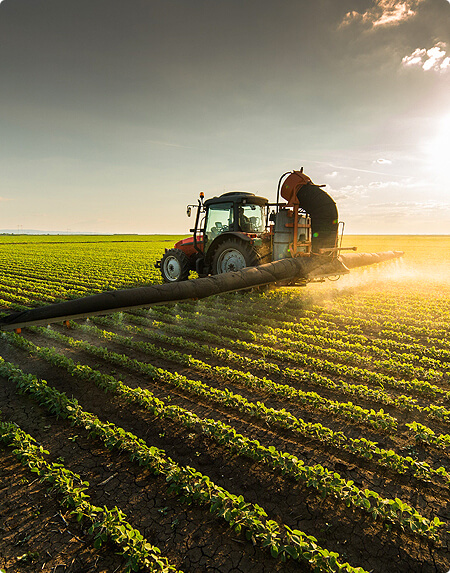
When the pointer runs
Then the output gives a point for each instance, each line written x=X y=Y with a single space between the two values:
x=347 y=168
x=373 y=189
x=434 y=58
x=409 y=208
x=348 y=191
x=384 y=13
x=384 y=184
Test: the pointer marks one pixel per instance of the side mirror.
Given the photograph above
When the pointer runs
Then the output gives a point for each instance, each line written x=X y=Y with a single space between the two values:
x=188 y=210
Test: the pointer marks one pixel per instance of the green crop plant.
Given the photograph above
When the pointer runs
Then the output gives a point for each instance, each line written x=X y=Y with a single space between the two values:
x=72 y=489
x=188 y=483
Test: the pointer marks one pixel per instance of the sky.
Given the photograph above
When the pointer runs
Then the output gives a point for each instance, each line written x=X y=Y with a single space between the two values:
x=115 y=114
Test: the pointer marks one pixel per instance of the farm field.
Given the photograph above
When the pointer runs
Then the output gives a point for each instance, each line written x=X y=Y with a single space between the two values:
x=297 y=429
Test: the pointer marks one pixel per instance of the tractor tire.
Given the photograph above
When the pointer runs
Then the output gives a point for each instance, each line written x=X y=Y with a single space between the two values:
x=233 y=255
x=175 y=266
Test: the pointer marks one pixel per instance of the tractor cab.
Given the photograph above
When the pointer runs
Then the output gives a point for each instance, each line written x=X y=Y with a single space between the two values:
x=228 y=235
x=235 y=212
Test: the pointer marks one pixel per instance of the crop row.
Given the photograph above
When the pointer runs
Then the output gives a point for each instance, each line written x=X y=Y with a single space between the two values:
x=408 y=364
x=425 y=434
x=272 y=316
x=282 y=419
x=324 y=481
x=46 y=290
x=31 y=295
x=371 y=323
x=226 y=355
x=105 y=523
x=410 y=328
x=353 y=317
x=415 y=386
x=348 y=410
x=25 y=301
x=308 y=331
x=189 y=484
x=360 y=344
x=411 y=309
x=335 y=345
x=95 y=265
x=68 y=283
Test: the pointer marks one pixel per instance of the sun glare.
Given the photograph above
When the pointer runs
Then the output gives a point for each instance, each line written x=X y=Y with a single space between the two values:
x=438 y=150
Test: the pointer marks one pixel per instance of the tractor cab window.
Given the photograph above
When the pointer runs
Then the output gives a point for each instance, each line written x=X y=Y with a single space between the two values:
x=219 y=220
x=251 y=218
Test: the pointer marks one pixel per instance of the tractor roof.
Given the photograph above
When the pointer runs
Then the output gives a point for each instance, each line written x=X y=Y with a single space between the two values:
x=237 y=197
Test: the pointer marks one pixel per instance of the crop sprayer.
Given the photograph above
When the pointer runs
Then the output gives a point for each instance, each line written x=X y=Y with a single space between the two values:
x=239 y=241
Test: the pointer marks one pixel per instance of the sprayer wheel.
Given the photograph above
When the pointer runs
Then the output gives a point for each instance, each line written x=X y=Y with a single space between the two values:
x=233 y=255
x=175 y=266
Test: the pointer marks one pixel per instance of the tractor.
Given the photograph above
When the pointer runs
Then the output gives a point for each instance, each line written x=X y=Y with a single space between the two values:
x=240 y=229
x=240 y=241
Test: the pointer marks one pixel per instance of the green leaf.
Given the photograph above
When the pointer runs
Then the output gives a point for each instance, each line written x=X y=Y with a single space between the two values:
x=292 y=551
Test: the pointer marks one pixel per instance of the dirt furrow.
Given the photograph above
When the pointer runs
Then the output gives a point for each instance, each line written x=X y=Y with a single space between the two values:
x=188 y=536
x=283 y=500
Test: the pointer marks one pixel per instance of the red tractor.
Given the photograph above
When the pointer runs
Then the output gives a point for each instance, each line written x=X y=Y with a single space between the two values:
x=239 y=229
x=297 y=239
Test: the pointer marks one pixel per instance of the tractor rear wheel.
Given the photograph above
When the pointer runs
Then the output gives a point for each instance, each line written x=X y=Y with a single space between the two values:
x=233 y=255
x=175 y=266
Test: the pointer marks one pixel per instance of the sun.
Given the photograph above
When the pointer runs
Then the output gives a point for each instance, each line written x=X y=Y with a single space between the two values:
x=437 y=149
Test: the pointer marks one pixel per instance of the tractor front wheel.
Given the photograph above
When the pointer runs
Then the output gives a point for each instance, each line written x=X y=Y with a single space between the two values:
x=175 y=266
x=233 y=255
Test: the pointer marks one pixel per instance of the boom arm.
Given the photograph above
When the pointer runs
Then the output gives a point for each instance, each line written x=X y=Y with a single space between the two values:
x=307 y=268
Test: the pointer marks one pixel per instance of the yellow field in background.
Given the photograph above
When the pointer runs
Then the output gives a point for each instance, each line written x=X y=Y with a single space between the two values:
x=419 y=249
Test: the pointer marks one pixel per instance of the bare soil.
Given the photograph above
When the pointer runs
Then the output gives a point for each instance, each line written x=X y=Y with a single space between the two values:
x=34 y=525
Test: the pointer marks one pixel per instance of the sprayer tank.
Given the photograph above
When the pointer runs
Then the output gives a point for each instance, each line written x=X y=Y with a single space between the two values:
x=284 y=234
